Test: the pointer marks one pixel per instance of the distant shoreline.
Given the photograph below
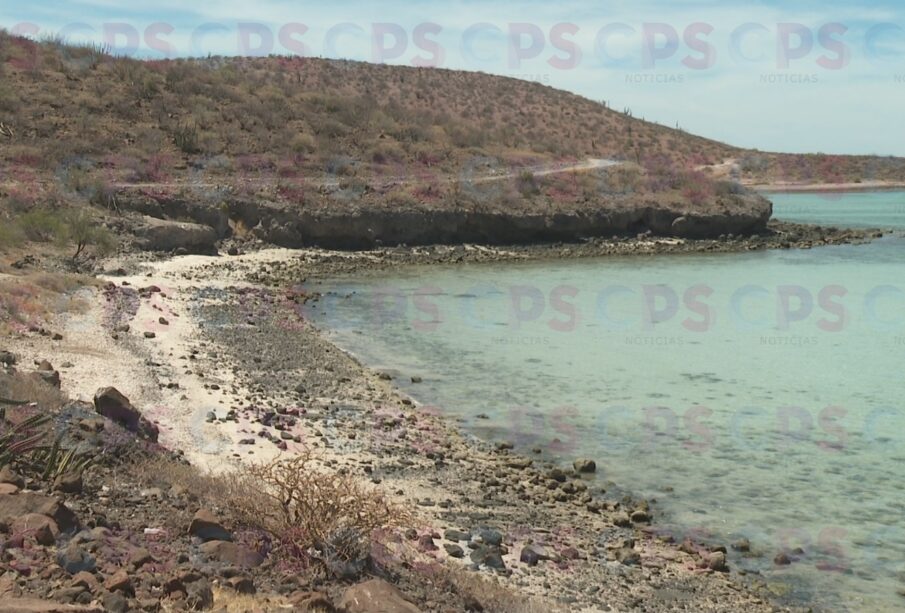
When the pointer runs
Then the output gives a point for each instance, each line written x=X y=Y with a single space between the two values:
x=868 y=186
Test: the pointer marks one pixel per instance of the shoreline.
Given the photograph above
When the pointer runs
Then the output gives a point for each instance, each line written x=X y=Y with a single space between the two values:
x=242 y=340
x=817 y=188
x=235 y=346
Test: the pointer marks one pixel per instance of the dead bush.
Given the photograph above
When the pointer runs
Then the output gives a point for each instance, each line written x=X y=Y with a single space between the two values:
x=315 y=518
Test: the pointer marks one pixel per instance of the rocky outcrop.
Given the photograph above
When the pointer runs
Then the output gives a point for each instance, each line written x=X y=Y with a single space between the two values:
x=365 y=227
x=163 y=235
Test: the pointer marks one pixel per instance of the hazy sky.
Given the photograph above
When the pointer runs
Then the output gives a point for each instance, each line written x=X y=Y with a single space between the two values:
x=810 y=75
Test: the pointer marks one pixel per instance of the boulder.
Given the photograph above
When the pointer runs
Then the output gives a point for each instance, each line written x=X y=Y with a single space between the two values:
x=231 y=554
x=43 y=528
x=113 y=405
x=13 y=506
x=584 y=465
x=207 y=527
x=163 y=235
x=8 y=358
x=375 y=596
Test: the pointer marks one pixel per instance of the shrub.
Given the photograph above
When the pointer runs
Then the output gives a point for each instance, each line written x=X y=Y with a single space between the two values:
x=526 y=184
x=303 y=143
x=82 y=231
x=186 y=138
x=316 y=518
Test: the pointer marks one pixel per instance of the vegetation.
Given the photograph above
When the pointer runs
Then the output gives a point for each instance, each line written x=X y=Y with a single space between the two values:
x=302 y=120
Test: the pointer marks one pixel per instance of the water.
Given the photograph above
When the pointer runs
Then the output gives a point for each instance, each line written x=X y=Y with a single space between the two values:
x=754 y=395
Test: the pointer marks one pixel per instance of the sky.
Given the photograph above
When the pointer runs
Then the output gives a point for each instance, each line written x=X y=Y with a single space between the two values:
x=807 y=76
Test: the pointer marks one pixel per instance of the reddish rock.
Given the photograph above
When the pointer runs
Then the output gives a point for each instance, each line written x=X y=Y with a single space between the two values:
x=232 y=554
x=44 y=530
x=113 y=405
x=13 y=506
x=8 y=488
x=207 y=527
x=119 y=582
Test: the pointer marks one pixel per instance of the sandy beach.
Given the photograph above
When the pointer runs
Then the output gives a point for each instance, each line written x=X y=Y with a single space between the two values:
x=216 y=352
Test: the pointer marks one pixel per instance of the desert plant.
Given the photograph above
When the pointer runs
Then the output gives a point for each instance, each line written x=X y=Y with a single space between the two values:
x=186 y=138
x=54 y=461
x=82 y=231
x=316 y=518
x=21 y=438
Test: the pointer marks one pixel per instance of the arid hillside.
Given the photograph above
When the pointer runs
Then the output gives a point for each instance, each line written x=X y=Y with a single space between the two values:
x=366 y=146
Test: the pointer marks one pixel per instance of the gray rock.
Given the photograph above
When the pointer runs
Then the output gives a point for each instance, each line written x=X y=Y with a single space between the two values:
x=73 y=559
x=584 y=465
x=454 y=551
x=162 y=235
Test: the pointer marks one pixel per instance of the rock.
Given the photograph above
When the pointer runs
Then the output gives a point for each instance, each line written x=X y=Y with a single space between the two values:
x=8 y=475
x=529 y=556
x=622 y=519
x=13 y=506
x=241 y=584
x=743 y=545
x=640 y=517
x=454 y=551
x=375 y=596
x=139 y=558
x=68 y=483
x=8 y=488
x=232 y=554
x=163 y=321
x=150 y=335
x=113 y=405
x=489 y=557
x=491 y=537
x=782 y=559
x=628 y=556
x=556 y=474
x=716 y=561
x=50 y=377
x=232 y=251
x=199 y=595
x=162 y=235
x=426 y=543
x=120 y=582
x=34 y=605
x=585 y=466
x=456 y=536
x=85 y=580
x=114 y=602
x=44 y=530
x=7 y=358
x=74 y=560
x=417 y=379
x=207 y=527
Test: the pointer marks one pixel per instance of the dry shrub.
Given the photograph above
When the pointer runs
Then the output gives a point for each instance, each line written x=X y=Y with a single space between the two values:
x=32 y=299
x=315 y=517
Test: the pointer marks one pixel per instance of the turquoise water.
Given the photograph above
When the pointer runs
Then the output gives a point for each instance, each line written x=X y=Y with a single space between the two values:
x=754 y=395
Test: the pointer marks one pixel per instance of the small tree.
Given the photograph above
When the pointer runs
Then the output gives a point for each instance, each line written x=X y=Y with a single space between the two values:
x=82 y=231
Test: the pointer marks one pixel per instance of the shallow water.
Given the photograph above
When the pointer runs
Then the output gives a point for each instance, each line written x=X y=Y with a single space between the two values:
x=754 y=395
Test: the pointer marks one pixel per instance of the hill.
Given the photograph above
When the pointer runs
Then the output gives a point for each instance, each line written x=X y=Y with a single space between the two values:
x=351 y=154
